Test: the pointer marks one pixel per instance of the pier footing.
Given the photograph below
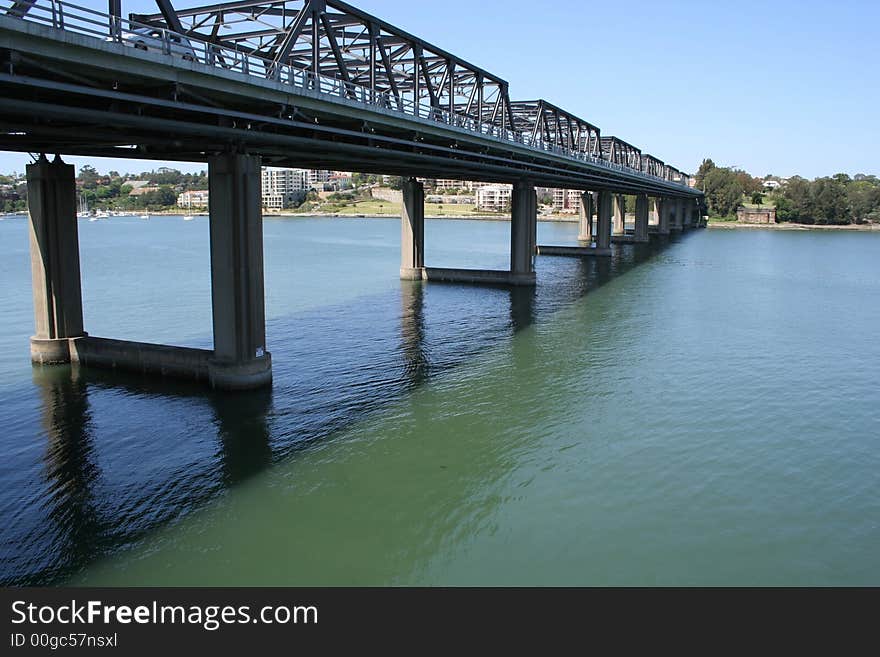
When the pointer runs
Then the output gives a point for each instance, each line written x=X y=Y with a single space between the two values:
x=155 y=360
x=573 y=251
x=475 y=276
x=627 y=239
x=46 y=351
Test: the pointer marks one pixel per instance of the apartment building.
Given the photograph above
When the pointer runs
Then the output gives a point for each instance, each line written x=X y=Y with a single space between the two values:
x=196 y=198
x=494 y=198
x=566 y=200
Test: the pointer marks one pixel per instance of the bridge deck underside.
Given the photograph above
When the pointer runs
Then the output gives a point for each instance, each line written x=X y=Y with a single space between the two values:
x=110 y=101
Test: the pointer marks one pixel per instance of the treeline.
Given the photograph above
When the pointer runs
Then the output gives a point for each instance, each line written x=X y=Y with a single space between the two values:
x=13 y=193
x=837 y=199
x=725 y=187
x=113 y=191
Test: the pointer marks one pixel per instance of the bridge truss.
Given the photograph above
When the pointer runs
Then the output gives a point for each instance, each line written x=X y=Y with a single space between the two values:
x=546 y=123
x=329 y=85
x=333 y=39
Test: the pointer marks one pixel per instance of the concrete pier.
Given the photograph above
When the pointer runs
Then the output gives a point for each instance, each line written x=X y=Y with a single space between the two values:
x=619 y=215
x=585 y=219
x=412 y=231
x=523 y=227
x=523 y=236
x=678 y=216
x=603 y=230
x=240 y=358
x=54 y=246
x=641 y=232
x=603 y=227
x=663 y=206
x=653 y=213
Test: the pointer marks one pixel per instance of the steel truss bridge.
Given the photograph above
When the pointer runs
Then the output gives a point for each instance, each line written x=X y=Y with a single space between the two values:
x=310 y=83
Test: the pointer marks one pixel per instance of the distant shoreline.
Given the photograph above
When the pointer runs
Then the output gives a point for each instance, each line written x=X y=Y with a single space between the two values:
x=482 y=217
x=554 y=218
x=732 y=225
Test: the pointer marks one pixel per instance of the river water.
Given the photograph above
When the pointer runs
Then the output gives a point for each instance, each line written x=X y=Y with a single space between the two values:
x=699 y=411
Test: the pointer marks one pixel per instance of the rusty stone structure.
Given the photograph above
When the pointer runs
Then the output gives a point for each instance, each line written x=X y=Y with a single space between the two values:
x=762 y=215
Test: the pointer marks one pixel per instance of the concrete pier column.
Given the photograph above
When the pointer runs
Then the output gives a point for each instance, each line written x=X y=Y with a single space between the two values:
x=523 y=227
x=412 y=231
x=54 y=244
x=603 y=227
x=678 y=223
x=689 y=213
x=240 y=359
x=619 y=214
x=585 y=223
x=664 y=205
x=641 y=234
x=654 y=216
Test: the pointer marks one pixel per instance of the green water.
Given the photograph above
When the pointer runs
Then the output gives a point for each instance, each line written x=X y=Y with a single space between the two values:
x=698 y=412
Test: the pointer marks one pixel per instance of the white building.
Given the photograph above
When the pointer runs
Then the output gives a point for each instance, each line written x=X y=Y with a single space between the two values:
x=282 y=181
x=282 y=188
x=495 y=198
x=448 y=199
x=282 y=201
x=442 y=185
x=566 y=200
x=196 y=198
x=316 y=178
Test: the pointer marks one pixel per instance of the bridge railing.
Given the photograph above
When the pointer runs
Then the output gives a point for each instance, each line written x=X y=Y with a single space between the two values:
x=68 y=16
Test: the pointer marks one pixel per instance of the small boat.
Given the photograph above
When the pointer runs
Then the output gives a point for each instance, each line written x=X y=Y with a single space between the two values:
x=145 y=216
x=188 y=217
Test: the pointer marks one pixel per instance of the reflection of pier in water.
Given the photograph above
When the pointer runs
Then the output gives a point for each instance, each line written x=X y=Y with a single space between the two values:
x=87 y=517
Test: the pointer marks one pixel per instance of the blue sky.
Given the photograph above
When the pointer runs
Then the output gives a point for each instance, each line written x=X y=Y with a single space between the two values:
x=786 y=87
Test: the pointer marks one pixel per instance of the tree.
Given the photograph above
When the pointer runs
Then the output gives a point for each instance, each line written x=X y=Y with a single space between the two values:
x=829 y=201
x=704 y=169
x=88 y=176
x=795 y=202
x=749 y=184
x=863 y=197
x=723 y=191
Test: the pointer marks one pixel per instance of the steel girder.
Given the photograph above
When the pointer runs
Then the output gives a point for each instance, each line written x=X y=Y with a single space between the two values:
x=619 y=152
x=653 y=166
x=544 y=122
x=333 y=39
x=672 y=174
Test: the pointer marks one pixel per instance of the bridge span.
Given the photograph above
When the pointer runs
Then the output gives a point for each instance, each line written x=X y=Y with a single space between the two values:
x=308 y=83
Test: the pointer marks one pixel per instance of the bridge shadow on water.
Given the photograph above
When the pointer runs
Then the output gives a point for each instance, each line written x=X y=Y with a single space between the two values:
x=125 y=454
